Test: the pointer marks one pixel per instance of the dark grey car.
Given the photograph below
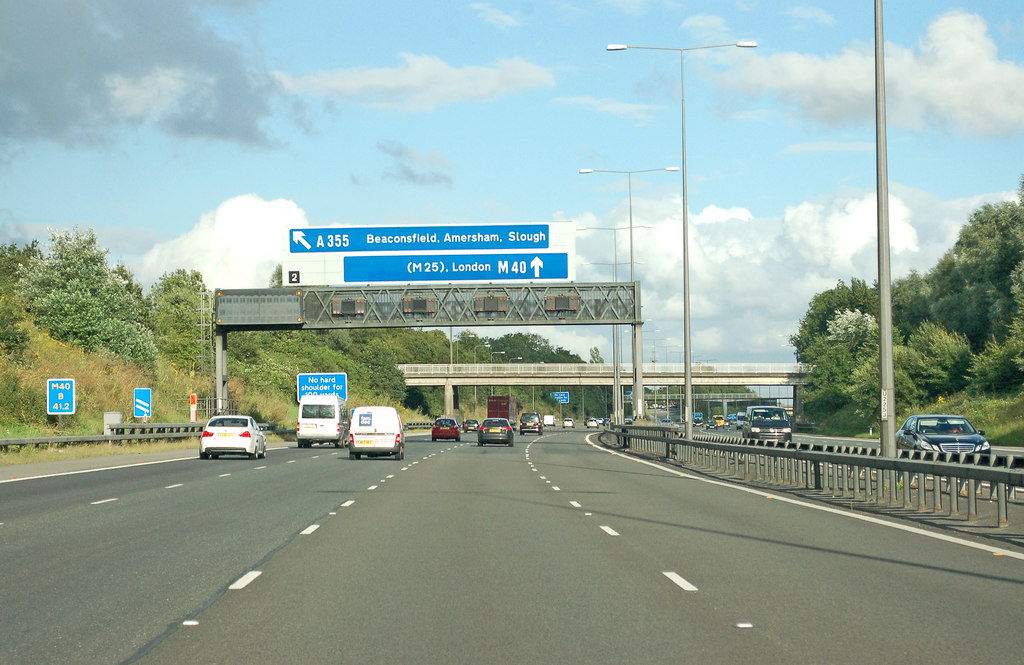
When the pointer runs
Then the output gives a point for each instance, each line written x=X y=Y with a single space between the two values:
x=767 y=423
x=495 y=430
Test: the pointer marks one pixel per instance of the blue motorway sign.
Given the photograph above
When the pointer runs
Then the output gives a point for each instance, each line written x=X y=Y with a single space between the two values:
x=60 y=397
x=562 y=398
x=335 y=383
x=457 y=267
x=480 y=237
x=143 y=402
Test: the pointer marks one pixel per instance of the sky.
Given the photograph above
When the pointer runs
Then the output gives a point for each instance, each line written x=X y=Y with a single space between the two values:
x=193 y=134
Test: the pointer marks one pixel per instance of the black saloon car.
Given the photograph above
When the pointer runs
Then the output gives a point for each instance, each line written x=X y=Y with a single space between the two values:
x=941 y=433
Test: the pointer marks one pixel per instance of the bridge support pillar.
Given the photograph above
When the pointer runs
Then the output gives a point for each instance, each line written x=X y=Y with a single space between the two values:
x=220 y=371
x=449 y=398
x=639 y=409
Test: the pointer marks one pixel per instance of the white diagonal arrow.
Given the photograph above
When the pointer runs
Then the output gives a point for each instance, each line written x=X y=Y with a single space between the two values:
x=300 y=238
x=536 y=264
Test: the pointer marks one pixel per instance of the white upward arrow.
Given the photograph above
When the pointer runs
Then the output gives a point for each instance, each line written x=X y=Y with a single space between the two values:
x=300 y=238
x=536 y=264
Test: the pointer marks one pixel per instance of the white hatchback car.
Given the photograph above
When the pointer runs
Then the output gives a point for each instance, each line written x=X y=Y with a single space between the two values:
x=232 y=435
x=568 y=422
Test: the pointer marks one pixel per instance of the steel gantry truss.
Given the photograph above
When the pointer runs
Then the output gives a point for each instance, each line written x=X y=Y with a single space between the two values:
x=324 y=308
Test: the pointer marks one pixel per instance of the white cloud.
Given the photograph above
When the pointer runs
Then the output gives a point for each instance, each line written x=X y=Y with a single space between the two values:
x=953 y=80
x=422 y=83
x=812 y=15
x=751 y=278
x=151 y=93
x=641 y=112
x=707 y=26
x=494 y=16
x=236 y=246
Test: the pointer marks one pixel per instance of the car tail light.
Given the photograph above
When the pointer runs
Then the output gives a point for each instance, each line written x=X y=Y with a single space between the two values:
x=246 y=434
x=398 y=439
x=207 y=433
x=297 y=427
x=351 y=439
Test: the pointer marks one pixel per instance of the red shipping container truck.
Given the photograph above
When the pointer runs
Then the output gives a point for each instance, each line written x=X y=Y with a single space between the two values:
x=502 y=407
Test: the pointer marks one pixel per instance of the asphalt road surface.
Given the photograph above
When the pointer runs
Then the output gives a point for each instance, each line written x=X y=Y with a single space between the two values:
x=551 y=551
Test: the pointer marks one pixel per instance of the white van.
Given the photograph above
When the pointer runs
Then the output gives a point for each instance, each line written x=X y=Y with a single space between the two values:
x=322 y=419
x=376 y=431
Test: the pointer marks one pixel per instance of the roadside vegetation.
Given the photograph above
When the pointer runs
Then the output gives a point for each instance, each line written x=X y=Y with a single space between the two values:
x=958 y=337
x=65 y=312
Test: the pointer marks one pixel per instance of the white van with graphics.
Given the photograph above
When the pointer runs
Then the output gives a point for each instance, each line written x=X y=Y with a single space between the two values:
x=376 y=431
x=322 y=419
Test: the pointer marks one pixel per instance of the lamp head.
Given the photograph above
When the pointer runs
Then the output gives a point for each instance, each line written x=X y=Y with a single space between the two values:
x=616 y=47
x=747 y=44
x=586 y=170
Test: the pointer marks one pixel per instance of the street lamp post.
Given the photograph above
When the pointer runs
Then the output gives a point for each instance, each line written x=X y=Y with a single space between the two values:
x=687 y=373
x=616 y=334
x=638 y=406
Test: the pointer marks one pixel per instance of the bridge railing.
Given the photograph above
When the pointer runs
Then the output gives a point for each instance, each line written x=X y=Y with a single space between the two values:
x=914 y=481
x=595 y=369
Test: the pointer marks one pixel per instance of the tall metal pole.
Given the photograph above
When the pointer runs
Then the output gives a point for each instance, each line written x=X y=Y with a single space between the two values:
x=886 y=374
x=687 y=370
x=688 y=375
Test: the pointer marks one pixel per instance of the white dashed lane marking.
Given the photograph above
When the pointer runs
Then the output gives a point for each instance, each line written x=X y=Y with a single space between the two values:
x=309 y=529
x=679 y=581
x=610 y=531
x=244 y=580
x=96 y=503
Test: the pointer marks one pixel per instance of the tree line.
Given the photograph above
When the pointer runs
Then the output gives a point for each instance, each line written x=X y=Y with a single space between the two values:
x=73 y=294
x=957 y=327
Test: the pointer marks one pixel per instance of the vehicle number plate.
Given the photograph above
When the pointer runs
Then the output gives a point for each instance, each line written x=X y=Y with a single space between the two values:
x=495 y=430
x=364 y=442
x=224 y=434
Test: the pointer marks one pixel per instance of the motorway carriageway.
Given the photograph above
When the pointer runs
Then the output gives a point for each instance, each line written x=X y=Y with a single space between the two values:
x=552 y=551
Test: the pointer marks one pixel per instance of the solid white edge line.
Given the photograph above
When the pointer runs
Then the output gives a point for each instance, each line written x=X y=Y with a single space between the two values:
x=825 y=509
x=610 y=531
x=679 y=581
x=96 y=503
x=245 y=580
x=309 y=529
x=170 y=487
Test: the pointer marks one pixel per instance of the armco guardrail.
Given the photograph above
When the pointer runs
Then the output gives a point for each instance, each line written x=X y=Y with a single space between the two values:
x=131 y=432
x=913 y=480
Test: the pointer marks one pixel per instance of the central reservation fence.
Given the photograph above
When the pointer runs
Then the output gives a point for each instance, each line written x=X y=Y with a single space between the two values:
x=914 y=480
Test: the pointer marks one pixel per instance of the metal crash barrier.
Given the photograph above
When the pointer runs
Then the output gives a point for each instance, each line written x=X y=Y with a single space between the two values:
x=915 y=480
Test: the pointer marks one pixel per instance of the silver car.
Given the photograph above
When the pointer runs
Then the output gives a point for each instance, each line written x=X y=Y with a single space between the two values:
x=232 y=435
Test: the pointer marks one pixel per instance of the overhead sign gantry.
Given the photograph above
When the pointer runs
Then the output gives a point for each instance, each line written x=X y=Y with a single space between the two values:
x=436 y=254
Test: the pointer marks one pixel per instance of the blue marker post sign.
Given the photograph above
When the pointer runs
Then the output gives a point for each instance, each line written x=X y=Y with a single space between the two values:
x=143 y=402
x=322 y=384
x=563 y=398
x=449 y=253
x=60 y=397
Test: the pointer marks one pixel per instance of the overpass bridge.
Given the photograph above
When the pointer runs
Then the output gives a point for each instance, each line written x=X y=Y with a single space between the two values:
x=601 y=374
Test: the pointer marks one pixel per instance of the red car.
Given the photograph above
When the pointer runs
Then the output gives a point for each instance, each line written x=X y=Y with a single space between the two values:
x=445 y=428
